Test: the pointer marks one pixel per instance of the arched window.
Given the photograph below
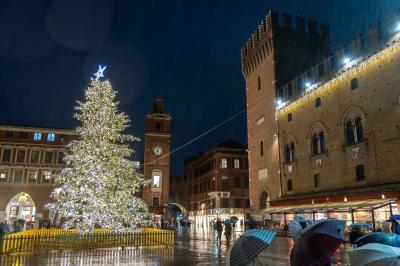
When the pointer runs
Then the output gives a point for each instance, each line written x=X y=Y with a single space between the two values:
x=349 y=132
x=322 y=142
x=318 y=143
x=289 y=153
x=359 y=130
x=292 y=152
x=354 y=131
x=314 y=144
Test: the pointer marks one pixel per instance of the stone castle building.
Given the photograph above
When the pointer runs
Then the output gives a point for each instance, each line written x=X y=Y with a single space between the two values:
x=29 y=156
x=323 y=127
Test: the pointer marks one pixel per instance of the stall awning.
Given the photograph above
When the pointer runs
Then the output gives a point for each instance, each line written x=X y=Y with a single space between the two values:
x=329 y=206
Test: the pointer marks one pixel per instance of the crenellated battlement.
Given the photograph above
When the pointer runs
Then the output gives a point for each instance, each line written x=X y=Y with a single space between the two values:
x=274 y=22
x=378 y=37
x=277 y=31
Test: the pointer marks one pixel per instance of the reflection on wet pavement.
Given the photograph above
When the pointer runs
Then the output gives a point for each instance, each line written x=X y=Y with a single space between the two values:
x=192 y=247
x=195 y=246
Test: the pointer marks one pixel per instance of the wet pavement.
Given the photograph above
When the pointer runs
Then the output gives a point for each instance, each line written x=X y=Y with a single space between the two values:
x=192 y=247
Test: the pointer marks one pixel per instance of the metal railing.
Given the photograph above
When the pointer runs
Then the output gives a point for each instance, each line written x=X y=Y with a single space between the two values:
x=56 y=239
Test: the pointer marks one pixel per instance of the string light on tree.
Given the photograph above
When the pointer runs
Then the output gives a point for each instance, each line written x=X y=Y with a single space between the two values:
x=99 y=184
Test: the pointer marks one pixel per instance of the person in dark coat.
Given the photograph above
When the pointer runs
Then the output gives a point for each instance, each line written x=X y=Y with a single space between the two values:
x=354 y=235
x=228 y=231
x=218 y=228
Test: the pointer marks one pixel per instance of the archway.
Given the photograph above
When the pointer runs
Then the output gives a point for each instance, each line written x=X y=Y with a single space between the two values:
x=21 y=206
x=177 y=208
x=264 y=198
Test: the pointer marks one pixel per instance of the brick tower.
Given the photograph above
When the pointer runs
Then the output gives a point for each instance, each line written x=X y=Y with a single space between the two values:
x=276 y=53
x=157 y=143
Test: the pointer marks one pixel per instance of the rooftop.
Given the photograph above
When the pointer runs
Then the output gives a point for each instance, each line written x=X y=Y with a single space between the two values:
x=35 y=128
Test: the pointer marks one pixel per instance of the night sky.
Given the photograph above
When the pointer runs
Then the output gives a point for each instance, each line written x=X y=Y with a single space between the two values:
x=186 y=52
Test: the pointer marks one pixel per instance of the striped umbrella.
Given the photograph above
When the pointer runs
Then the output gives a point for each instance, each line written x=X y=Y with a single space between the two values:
x=249 y=245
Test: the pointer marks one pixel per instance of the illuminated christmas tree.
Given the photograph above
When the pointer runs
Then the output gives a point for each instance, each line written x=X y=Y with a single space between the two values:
x=99 y=184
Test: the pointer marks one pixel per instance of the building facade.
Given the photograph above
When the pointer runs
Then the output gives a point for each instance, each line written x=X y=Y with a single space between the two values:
x=275 y=54
x=218 y=184
x=157 y=144
x=29 y=157
x=335 y=130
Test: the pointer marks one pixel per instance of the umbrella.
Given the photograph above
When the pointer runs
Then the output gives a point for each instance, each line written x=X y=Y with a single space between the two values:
x=249 y=245
x=361 y=226
x=296 y=226
x=379 y=237
x=317 y=243
x=299 y=219
x=375 y=254
x=294 y=229
x=4 y=228
x=394 y=218
x=234 y=218
x=229 y=221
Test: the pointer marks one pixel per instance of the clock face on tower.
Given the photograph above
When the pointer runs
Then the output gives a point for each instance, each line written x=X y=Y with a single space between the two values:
x=157 y=150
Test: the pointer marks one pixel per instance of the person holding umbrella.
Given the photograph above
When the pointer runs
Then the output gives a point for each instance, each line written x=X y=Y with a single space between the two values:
x=354 y=235
x=317 y=244
x=228 y=231
x=395 y=228
x=245 y=250
x=218 y=228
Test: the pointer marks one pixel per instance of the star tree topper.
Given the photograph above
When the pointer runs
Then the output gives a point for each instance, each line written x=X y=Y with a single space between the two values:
x=99 y=73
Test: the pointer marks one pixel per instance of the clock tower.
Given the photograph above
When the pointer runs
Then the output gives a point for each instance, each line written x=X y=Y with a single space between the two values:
x=157 y=142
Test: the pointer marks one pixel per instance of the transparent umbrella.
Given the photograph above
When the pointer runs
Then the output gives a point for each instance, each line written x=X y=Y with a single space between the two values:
x=375 y=254
x=317 y=243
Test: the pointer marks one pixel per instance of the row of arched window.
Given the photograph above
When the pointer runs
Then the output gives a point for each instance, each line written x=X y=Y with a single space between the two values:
x=353 y=134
